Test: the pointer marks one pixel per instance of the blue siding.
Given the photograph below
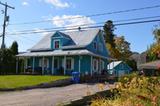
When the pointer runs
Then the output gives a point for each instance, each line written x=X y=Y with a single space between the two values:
x=101 y=50
x=85 y=64
x=122 y=68
x=63 y=40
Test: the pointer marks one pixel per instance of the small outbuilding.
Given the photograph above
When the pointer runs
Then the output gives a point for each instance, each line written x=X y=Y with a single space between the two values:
x=150 y=68
x=118 y=68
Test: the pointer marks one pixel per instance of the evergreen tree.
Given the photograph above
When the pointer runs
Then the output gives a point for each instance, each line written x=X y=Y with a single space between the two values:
x=109 y=35
x=6 y=61
x=14 y=48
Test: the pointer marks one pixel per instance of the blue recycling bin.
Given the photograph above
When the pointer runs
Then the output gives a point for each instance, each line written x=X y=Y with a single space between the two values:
x=75 y=77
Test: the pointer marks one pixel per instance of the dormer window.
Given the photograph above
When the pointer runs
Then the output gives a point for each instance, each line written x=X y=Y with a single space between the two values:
x=56 y=44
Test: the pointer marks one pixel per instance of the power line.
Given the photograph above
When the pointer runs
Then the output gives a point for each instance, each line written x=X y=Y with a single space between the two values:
x=56 y=28
x=98 y=26
x=140 y=18
x=91 y=15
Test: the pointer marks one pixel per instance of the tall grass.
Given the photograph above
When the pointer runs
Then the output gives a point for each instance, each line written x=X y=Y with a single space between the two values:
x=133 y=90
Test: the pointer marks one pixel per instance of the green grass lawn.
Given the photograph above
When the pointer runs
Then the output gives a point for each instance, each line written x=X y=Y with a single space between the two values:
x=16 y=81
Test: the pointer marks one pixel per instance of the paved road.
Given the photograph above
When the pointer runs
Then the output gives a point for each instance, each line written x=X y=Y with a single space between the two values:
x=49 y=96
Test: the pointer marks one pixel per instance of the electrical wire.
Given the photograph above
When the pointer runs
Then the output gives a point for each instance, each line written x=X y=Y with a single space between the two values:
x=97 y=26
x=91 y=15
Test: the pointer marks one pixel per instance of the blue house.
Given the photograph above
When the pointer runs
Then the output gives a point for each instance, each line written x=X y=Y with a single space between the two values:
x=61 y=53
x=118 y=68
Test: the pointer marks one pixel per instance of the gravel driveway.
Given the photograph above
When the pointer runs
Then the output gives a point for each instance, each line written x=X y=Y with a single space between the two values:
x=47 y=97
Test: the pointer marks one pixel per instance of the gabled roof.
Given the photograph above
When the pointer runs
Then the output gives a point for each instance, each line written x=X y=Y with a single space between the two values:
x=44 y=43
x=83 y=37
x=113 y=64
x=80 y=38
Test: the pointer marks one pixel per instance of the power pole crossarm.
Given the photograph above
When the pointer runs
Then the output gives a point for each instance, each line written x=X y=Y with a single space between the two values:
x=6 y=18
x=7 y=5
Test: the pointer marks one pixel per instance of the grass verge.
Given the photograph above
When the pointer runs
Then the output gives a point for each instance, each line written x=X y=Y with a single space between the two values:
x=17 y=81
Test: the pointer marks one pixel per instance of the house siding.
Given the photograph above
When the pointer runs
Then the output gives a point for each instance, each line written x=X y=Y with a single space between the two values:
x=86 y=64
x=100 y=41
x=85 y=61
x=63 y=41
x=122 y=68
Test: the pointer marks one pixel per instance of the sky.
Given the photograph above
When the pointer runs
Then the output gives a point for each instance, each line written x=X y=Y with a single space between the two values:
x=140 y=35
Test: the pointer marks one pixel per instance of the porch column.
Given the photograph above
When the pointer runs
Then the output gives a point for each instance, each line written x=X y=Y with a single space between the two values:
x=91 y=65
x=33 y=63
x=52 y=65
x=43 y=65
x=79 y=64
x=17 y=65
x=64 y=65
x=25 y=63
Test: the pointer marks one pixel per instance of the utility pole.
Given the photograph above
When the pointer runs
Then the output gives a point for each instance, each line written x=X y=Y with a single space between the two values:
x=6 y=18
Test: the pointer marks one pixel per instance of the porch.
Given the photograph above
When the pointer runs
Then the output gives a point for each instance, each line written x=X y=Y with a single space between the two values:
x=64 y=65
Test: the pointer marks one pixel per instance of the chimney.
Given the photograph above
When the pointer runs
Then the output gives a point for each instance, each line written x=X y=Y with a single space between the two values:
x=79 y=28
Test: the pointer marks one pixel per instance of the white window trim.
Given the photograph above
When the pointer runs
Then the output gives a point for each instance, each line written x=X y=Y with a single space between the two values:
x=55 y=45
x=47 y=62
x=72 y=63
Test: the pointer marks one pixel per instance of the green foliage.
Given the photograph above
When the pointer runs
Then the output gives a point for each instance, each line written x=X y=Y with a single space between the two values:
x=153 y=52
x=123 y=47
x=14 y=48
x=126 y=78
x=109 y=35
x=118 y=47
x=114 y=53
x=8 y=59
x=132 y=64
x=156 y=34
x=16 y=81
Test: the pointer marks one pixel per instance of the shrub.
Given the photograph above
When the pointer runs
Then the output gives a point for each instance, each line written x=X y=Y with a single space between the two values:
x=133 y=90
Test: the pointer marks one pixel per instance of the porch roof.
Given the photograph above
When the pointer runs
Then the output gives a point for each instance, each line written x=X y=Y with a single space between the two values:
x=59 y=53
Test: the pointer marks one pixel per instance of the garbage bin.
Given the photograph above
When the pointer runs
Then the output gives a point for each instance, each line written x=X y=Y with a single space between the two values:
x=75 y=77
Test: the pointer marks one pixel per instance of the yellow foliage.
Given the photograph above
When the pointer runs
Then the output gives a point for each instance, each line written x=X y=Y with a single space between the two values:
x=155 y=49
x=114 y=53
x=134 y=91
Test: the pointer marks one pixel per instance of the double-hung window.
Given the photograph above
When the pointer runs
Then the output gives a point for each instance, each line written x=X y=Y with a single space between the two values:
x=56 y=44
x=95 y=65
x=69 y=64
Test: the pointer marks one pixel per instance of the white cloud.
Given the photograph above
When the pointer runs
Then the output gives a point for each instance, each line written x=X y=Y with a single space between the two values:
x=58 y=3
x=72 y=21
x=25 y=3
